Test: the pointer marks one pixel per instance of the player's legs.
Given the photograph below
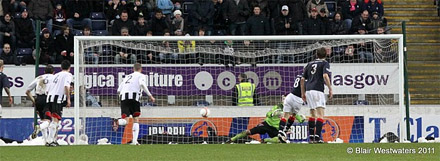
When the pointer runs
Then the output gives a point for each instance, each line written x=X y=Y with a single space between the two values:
x=288 y=109
x=284 y=125
x=316 y=101
x=241 y=135
x=131 y=107
x=312 y=125
x=135 y=131
x=319 y=123
x=44 y=114
x=125 y=113
x=273 y=134
x=56 y=111
x=259 y=129
x=311 y=102
x=136 y=109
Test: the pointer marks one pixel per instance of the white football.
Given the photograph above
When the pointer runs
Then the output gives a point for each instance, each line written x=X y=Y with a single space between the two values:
x=204 y=112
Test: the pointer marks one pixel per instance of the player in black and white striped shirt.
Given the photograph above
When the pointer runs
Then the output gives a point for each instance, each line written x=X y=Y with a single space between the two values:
x=40 y=85
x=130 y=91
x=58 y=96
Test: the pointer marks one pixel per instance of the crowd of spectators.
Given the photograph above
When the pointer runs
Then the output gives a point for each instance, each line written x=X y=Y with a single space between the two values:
x=63 y=19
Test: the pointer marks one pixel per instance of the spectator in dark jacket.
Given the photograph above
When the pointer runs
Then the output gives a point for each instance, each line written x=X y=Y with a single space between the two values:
x=7 y=27
x=374 y=6
x=141 y=28
x=351 y=10
x=376 y=22
x=137 y=10
x=258 y=24
x=114 y=9
x=361 y=20
x=325 y=20
x=24 y=31
x=263 y=4
x=203 y=13
x=78 y=13
x=60 y=16
x=41 y=10
x=219 y=23
x=337 y=26
x=314 y=25
x=158 y=24
x=64 y=46
x=284 y=24
x=236 y=13
x=122 y=22
x=47 y=48
x=8 y=56
x=298 y=11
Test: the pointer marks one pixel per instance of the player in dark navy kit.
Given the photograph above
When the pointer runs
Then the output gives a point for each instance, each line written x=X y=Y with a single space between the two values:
x=317 y=74
x=291 y=106
x=4 y=84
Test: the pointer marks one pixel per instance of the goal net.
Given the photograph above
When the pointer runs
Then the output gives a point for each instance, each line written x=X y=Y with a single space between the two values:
x=191 y=72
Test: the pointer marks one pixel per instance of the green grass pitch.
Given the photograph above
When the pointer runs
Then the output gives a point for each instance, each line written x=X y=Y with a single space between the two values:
x=300 y=152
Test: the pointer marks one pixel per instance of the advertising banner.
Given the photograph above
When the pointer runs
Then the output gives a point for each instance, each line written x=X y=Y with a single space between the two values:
x=218 y=80
x=420 y=126
x=19 y=79
x=350 y=129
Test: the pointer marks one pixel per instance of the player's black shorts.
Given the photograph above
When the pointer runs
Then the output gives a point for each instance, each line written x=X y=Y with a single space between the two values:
x=56 y=109
x=264 y=128
x=40 y=106
x=130 y=107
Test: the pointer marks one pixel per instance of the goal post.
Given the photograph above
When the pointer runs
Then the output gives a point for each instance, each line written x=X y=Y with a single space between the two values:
x=190 y=72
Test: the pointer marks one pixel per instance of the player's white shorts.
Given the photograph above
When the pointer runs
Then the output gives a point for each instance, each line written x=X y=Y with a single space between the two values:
x=292 y=103
x=315 y=99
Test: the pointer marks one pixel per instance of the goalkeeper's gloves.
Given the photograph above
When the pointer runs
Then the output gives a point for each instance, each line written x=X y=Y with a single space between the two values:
x=277 y=113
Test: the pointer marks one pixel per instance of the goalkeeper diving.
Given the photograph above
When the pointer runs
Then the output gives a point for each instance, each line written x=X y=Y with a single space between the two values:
x=269 y=126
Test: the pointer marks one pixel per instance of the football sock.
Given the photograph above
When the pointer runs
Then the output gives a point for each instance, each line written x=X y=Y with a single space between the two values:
x=311 y=126
x=290 y=122
x=135 y=132
x=52 y=131
x=44 y=132
x=272 y=140
x=238 y=136
x=122 y=122
x=282 y=126
x=319 y=123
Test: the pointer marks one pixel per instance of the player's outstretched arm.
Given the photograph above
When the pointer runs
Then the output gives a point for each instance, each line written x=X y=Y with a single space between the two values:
x=143 y=83
x=327 y=82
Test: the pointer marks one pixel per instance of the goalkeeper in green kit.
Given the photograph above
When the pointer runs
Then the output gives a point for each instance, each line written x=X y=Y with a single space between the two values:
x=268 y=126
